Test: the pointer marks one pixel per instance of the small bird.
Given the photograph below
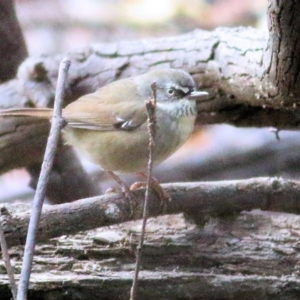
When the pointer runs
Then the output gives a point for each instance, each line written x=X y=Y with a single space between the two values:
x=109 y=126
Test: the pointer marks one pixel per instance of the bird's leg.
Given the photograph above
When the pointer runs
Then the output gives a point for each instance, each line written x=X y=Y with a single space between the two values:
x=120 y=182
x=163 y=195
x=125 y=190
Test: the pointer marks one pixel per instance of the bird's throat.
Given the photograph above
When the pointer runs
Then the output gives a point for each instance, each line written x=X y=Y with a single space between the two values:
x=181 y=108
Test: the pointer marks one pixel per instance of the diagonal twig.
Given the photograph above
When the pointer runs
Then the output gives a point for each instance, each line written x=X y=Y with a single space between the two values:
x=151 y=109
x=57 y=123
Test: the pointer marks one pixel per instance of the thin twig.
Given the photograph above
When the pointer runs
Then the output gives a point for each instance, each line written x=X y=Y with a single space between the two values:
x=38 y=200
x=151 y=109
x=6 y=259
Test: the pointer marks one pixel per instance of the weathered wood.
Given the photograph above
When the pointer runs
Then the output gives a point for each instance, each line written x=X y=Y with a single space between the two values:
x=208 y=55
x=197 y=200
x=254 y=255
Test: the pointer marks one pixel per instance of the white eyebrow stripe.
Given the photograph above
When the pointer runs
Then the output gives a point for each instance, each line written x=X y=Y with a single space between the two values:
x=185 y=90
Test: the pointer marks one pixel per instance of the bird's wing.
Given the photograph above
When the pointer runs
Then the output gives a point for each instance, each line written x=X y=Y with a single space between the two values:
x=103 y=111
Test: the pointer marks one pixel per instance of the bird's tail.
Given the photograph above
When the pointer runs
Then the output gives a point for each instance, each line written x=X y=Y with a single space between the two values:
x=44 y=113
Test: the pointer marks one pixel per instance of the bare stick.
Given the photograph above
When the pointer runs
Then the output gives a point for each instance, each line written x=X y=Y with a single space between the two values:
x=38 y=200
x=150 y=106
x=6 y=259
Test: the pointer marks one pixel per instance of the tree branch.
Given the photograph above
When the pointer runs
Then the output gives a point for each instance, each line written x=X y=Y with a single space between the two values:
x=198 y=200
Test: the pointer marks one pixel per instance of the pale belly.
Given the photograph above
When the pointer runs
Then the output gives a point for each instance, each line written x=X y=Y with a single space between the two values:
x=128 y=151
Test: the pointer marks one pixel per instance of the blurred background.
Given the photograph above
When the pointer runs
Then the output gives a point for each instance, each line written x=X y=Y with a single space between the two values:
x=62 y=25
x=212 y=153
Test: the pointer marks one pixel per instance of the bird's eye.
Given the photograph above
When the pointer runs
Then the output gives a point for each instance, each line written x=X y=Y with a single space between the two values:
x=170 y=92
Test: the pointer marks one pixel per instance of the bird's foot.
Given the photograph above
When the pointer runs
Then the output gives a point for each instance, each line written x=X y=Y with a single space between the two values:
x=125 y=190
x=163 y=195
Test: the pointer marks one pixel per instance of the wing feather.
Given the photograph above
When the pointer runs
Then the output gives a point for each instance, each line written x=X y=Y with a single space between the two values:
x=106 y=109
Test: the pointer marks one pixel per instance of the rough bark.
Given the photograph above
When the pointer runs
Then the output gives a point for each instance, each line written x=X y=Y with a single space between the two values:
x=229 y=73
x=198 y=200
x=254 y=255
x=281 y=61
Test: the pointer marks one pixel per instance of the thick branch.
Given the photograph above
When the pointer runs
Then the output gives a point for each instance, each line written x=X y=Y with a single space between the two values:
x=198 y=200
x=226 y=62
x=282 y=60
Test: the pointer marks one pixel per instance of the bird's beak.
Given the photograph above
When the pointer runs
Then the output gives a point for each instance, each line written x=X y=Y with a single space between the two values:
x=196 y=95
